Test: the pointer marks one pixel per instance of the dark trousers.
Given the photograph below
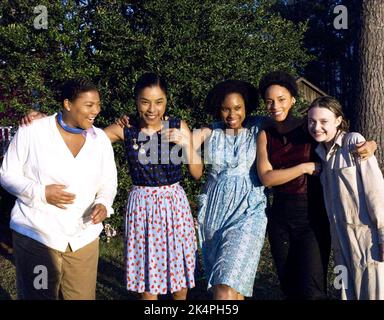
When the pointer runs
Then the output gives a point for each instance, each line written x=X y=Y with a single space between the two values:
x=7 y=202
x=300 y=244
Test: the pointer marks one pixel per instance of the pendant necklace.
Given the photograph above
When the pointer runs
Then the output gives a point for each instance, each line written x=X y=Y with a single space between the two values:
x=141 y=150
x=136 y=147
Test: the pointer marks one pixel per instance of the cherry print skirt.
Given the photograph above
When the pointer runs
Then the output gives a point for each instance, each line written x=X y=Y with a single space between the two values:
x=160 y=240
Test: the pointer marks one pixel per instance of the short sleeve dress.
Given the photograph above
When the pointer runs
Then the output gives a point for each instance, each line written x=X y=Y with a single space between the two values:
x=232 y=220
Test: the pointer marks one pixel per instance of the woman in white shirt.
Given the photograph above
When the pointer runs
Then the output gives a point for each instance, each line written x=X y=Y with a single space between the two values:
x=62 y=171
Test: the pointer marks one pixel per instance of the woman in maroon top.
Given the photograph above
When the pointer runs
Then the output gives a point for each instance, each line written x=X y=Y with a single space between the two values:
x=298 y=228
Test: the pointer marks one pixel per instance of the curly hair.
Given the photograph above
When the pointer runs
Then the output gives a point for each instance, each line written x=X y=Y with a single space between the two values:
x=280 y=78
x=218 y=93
x=72 y=88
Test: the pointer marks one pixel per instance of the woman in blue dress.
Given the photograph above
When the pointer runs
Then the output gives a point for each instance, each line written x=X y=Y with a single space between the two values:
x=231 y=217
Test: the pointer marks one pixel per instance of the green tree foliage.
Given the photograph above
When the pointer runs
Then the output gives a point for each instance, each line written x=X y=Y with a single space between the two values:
x=194 y=44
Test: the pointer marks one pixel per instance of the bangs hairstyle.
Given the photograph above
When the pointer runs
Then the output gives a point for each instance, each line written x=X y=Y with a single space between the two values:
x=149 y=79
x=71 y=89
x=280 y=78
x=217 y=94
x=332 y=105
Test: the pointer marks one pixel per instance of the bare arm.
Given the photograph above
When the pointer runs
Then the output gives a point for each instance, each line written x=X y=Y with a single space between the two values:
x=195 y=164
x=114 y=132
x=200 y=136
x=271 y=177
x=30 y=116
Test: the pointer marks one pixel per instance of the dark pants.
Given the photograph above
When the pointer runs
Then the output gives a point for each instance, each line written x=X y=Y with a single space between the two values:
x=7 y=202
x=300 y=243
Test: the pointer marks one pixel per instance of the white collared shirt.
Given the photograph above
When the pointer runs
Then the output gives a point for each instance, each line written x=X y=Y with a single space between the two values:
x=38 y=156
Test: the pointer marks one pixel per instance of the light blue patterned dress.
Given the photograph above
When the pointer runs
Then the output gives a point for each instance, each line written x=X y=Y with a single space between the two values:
x=232 y=220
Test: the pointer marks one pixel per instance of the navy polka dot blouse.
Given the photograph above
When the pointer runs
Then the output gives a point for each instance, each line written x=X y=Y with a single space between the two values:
x=152 y=162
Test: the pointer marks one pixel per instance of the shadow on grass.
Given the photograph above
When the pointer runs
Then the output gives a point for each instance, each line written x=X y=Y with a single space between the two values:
x=111 y=281
x=111 y=277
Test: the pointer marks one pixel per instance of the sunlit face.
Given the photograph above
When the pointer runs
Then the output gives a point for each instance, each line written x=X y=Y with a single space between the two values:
x=232 y=111
x=323 y=124
x=82 y=111
x=151 y=104
x=279 y=101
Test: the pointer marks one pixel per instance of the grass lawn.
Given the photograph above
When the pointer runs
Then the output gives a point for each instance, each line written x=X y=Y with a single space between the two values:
x=111 y=284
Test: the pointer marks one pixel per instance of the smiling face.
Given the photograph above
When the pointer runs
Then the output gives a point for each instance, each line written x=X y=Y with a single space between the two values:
x=82 y=111
x=279 y=101
x=151 y=103
x=232 y=111
x=323 y=124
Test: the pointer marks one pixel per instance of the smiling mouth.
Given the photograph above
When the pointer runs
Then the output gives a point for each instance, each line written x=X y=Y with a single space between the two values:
x=277 y=113
x=317 y=134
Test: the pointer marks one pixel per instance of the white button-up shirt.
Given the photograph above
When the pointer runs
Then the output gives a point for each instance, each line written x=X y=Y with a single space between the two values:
x=38 y=156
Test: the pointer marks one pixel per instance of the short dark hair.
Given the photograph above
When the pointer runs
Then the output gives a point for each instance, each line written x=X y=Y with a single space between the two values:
x=149 y=79
x=72 y=88
x=280 y=78
x=217 y=95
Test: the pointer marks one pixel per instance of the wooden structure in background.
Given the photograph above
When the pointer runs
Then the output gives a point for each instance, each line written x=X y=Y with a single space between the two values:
x=308 y=91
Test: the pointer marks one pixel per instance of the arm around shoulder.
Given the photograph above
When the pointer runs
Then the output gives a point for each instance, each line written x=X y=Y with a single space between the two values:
x=114 y=132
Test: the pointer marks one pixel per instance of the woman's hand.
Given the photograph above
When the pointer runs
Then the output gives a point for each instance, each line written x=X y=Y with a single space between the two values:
x=99 y=213
x=123 y=122
x=311 y=168
x=31 y=115
x=56 y=196
x=365 y=149
x=177 y=136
